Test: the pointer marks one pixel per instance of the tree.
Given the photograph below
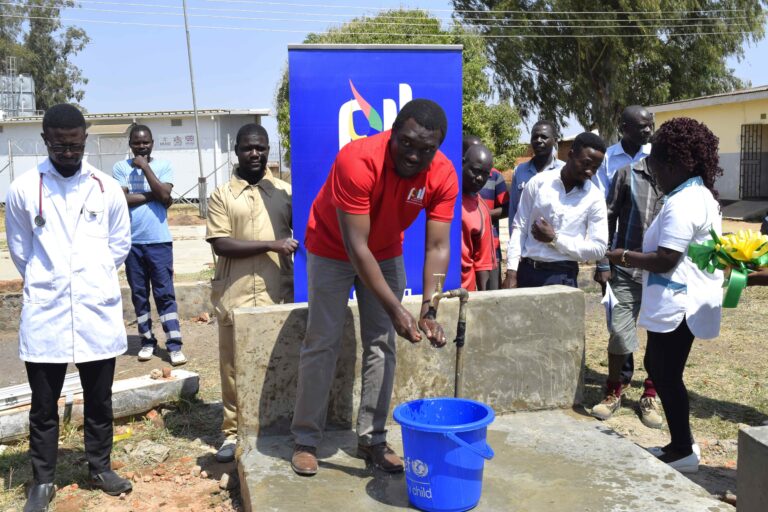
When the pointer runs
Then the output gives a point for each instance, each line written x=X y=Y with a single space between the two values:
x=591 y=59
x=496 y=124
x=34 y=34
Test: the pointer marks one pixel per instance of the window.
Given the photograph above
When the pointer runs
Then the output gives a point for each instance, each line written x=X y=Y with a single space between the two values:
x=175 y=122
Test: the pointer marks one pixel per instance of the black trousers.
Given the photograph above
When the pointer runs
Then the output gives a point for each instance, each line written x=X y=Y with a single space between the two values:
x=665 y=357
x=530 y=277
x=46 y=381
x=628 y=370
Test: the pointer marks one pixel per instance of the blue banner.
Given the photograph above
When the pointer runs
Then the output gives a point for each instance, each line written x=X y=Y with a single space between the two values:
x=342 y=93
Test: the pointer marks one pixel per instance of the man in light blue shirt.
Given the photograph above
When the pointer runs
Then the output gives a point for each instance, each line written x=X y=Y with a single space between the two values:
x=636 y=127
x=543 y=140
x=147 y=183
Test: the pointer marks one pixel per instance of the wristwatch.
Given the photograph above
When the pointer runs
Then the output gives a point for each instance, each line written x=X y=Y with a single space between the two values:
x=624 y=261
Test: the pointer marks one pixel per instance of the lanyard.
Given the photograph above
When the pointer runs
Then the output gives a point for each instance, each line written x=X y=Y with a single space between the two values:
x=39 y=219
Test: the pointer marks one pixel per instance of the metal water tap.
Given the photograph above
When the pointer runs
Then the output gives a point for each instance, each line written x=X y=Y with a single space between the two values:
x=461 y=327
x=439 y=294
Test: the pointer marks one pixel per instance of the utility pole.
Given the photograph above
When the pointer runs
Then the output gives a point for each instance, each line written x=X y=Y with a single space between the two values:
x=201 y=181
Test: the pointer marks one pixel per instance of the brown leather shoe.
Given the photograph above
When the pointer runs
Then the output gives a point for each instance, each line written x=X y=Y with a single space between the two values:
x=304 y=460
x=381 y=456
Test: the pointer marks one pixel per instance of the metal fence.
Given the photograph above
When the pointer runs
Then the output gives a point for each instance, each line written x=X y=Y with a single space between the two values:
x=104 y=152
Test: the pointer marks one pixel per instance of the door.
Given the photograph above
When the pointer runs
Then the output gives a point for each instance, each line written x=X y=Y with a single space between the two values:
x=753 y=183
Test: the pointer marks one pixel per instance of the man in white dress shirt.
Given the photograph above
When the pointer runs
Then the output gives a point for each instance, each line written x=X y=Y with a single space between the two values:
x=68 y=231
x=636 y=128
x=560 y=221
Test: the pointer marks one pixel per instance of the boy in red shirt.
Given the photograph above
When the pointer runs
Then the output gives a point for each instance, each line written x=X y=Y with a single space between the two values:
x=496 y=196
x=478 y=257
x=375 y=190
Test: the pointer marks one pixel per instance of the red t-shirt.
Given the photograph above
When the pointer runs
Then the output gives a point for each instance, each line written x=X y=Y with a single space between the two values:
x=477 y=249
x=363 y=181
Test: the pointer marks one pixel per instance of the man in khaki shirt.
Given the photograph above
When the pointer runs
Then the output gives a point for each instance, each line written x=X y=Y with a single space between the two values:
x=249 y=228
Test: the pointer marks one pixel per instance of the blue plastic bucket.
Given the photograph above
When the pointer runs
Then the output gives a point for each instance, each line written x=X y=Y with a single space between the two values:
x=445 y=451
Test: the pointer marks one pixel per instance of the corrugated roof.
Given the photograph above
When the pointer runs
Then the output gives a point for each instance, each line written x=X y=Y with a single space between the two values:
x=741 y=95
x=145 y=115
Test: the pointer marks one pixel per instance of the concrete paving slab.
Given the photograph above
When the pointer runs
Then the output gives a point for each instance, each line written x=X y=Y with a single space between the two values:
x=191 y=253
x=129 y=396
x=746 y=210
x=554 y=461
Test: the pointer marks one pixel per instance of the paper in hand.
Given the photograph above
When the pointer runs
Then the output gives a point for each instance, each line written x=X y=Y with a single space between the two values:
x=609 y=300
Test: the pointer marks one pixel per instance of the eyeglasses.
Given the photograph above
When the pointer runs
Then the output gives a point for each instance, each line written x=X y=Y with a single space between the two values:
x=60 y=149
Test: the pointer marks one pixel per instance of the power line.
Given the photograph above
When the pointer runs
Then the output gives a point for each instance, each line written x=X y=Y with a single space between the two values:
x=546 y=24
x=292 y=31
x=527 y=14
x=338 y=6
x=556 y=24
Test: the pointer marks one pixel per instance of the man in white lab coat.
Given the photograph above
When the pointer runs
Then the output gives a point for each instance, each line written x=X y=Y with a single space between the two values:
x=68 y=231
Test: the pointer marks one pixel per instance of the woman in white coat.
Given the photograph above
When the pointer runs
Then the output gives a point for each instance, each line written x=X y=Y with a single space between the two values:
x=68 y=231
x=679 y=302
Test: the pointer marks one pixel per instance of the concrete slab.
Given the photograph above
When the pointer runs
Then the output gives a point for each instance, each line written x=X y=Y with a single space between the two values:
x=191 y=253
x=129 y=396
x=746 y=210
x=552 y=461
x=753 y=469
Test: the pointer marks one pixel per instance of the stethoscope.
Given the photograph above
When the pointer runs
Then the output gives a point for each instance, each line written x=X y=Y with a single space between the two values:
x=40 y=220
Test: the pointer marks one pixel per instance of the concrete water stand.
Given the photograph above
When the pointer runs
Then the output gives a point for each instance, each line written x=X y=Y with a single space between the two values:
x=553 y=461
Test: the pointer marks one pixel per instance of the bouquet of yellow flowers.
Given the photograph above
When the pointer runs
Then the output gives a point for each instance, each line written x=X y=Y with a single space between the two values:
x=741 y=253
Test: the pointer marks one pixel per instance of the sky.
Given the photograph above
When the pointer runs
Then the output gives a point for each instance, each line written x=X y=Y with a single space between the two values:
x=137 y=61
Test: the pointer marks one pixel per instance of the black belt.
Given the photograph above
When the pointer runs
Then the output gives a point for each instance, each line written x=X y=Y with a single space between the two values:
x=553 y=266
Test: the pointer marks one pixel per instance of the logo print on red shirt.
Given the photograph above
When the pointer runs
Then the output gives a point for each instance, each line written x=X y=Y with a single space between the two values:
x=416 y=196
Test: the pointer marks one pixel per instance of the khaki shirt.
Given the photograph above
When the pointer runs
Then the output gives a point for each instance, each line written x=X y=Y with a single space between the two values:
x=250 y=212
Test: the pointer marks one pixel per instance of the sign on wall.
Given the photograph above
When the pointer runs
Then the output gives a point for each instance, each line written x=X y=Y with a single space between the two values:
x=175 y=141
x=343 y=93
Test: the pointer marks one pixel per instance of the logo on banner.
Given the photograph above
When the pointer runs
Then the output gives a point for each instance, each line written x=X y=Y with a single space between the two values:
x=416 y=196
x=376 y=121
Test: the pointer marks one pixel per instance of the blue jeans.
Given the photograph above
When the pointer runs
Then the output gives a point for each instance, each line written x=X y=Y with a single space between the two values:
x=152 y=264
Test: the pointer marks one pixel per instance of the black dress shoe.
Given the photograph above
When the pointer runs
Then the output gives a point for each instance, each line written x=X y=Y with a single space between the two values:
x=40 y=496
x=111 y=483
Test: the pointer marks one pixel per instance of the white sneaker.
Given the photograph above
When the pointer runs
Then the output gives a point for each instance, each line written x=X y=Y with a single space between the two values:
x=687 y=464
x=146 y=352
x=658 y=451
x=178 y=358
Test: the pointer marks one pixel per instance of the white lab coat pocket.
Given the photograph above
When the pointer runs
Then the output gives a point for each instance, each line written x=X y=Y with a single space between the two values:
x=39 y=283
x=93 y=224
x=109 y=286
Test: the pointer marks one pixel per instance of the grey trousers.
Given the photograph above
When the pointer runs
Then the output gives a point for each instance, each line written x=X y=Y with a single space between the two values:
x=622 y=332
x=329 y=283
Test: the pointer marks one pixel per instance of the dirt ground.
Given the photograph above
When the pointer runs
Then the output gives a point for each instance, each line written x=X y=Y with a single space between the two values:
x=727 y=380
x=189 y=479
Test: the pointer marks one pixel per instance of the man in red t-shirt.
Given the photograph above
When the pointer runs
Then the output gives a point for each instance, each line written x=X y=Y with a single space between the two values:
x=478 y=255
x=375 y=190
x=496 y=197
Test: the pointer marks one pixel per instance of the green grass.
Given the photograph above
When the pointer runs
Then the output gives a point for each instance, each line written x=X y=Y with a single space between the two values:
x=727 y=378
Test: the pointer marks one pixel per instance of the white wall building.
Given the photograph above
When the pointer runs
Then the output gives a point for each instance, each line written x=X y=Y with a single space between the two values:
x=22 y=148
